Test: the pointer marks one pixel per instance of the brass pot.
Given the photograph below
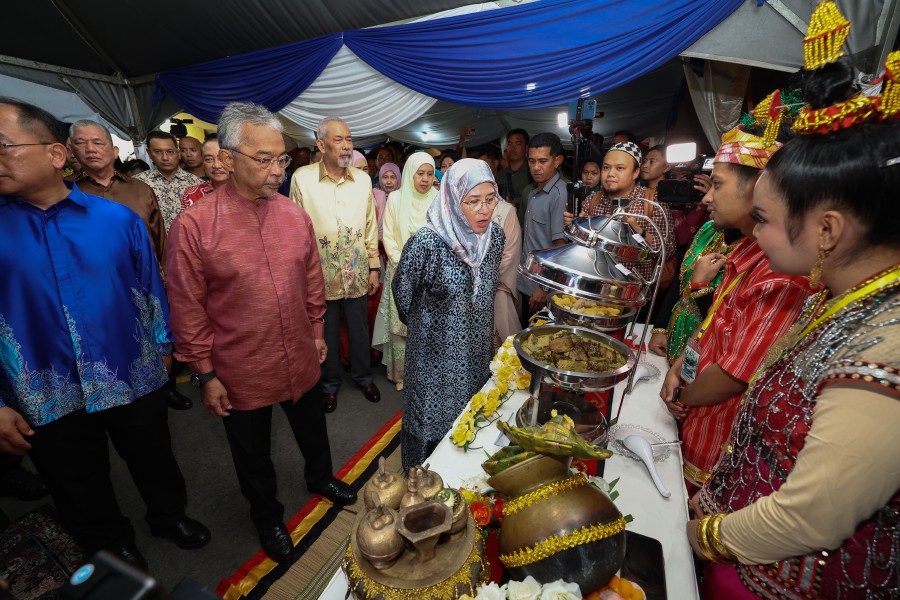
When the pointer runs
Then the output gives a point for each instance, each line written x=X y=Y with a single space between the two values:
x=555 y=526
x=389 y=487
x=430 y=483
x=378 y=539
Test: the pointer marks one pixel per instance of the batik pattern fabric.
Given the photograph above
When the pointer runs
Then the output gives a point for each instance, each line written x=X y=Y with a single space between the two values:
x=83 y=316
x=169 y=192
x=771 y=431
x=448 y=346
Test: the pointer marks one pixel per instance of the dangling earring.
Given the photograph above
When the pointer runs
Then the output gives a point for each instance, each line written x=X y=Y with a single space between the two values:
x=815 y=275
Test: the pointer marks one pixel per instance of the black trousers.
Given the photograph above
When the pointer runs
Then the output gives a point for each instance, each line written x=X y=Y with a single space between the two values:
x=356 y=316
x=72 y=455
x=250 y=437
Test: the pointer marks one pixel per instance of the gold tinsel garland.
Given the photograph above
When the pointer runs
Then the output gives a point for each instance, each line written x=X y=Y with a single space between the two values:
x=358 y=581
x=554 y=543
x=542 y=493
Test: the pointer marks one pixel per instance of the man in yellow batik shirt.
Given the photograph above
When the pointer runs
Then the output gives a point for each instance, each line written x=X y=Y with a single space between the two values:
x=339 y=201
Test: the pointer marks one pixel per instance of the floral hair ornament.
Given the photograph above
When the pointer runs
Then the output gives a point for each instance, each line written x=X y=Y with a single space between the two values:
x=828 y=30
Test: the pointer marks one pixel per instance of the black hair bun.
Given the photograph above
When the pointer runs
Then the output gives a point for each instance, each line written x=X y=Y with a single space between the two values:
x=829 y=84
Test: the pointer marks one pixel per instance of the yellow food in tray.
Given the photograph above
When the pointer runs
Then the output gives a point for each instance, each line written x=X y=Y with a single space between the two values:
x=586 y=307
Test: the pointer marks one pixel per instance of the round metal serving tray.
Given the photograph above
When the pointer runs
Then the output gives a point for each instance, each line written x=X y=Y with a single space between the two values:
x=587 y=382
x=610 y=235
x=567 y=316
x=585 y=273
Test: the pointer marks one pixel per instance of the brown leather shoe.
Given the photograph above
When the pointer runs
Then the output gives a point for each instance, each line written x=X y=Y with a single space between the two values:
x=330 y=402
x=370 y=391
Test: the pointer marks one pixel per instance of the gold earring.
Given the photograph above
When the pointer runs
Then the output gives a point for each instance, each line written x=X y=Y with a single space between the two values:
x=815 y=275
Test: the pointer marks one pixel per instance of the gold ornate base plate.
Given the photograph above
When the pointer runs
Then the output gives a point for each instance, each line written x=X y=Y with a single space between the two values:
x=458 y=567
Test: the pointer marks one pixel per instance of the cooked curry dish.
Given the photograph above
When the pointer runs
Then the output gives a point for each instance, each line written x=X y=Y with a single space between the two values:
x=591 y=308
x=569 y=352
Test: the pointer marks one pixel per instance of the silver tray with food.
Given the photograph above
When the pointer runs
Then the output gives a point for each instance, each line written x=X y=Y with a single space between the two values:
x=571 y=310
x=576 y=358
x=611 y=235
x=586 y=273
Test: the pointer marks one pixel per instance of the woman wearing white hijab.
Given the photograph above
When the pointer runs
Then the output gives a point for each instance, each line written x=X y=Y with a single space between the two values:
x=404 y=215
x=444 y=290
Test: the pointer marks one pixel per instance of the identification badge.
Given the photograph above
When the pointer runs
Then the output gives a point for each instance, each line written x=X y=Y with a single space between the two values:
x=690 y=360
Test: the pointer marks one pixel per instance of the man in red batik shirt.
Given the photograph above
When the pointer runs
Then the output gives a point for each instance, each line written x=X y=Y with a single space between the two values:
x=753 y=308
x=247 y=302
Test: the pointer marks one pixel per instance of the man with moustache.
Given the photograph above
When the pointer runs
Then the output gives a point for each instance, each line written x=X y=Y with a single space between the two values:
x=339 y=200
x=191 y=156
x=216 y=174
x=167 y=179
x=619 y=172
x=247 y=299
x=753 y=307
x=544 y=216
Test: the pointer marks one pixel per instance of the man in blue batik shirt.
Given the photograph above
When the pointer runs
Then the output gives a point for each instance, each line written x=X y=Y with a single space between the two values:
x=84 y=343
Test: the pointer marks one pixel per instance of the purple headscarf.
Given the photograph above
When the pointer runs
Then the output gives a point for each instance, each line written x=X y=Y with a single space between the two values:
x=390 y=167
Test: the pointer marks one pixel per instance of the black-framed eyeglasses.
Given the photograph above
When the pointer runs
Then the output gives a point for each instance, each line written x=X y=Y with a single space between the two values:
x=266 y=163
x=477 y=204
x=4 y=148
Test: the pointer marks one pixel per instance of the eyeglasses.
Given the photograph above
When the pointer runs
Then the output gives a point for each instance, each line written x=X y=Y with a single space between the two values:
x=266 y=163
x=161 y=152
x=4 y=148
x=474 y=206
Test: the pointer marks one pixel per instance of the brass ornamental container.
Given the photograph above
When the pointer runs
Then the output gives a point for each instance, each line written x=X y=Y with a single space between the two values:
x=557 y=526
x=377 y=537
x=389 y=487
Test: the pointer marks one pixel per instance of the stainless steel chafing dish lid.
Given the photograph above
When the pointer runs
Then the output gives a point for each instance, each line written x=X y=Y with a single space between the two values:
x=610 y=235
x=585 y=273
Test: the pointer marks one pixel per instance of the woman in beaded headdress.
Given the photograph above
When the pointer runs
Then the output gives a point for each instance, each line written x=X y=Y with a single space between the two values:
x=805 y=501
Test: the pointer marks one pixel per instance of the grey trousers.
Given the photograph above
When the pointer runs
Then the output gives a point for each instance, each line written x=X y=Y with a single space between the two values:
x=355 y=313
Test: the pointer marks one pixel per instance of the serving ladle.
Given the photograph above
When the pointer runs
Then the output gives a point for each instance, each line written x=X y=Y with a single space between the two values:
x=641 y=447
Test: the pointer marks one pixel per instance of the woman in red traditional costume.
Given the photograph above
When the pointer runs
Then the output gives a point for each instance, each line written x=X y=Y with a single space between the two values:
x=804 y=501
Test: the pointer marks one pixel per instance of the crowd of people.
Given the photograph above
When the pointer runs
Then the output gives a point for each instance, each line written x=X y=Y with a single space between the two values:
x=262 y=272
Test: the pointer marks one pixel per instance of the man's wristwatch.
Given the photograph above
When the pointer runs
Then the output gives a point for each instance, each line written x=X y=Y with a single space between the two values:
x=198 y=381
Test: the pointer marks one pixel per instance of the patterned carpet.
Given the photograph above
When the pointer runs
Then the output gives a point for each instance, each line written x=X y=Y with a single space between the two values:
x=319 y=531
x=37 y=556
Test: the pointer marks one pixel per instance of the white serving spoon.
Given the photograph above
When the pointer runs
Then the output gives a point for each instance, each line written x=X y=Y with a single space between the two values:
x=641 y=447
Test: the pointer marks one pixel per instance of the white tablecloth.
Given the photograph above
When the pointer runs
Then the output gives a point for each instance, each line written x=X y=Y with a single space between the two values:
x=654 y=516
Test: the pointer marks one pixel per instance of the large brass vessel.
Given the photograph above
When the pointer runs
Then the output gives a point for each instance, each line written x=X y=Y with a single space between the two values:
x=556 y=525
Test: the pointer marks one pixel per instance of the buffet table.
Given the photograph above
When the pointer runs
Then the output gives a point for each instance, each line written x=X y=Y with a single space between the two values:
x=654 y=516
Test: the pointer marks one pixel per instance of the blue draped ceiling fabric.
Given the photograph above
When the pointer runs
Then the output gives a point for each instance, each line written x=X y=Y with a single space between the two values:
x=534 y=55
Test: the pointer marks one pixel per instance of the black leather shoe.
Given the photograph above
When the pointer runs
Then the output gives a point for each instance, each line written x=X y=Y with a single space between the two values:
x=178 y=401
x=22 y=484
x=185 y=532
x=371 y=392
x=131 y=555
x=276 y=542
x=330 y=402
x=335 y=490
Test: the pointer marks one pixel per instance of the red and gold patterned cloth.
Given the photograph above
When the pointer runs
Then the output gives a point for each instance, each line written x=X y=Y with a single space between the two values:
x=741 y=148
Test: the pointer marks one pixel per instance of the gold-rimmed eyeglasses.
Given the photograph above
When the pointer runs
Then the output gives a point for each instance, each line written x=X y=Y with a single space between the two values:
x=5 y=148
x=266 y=163
x=475 y=205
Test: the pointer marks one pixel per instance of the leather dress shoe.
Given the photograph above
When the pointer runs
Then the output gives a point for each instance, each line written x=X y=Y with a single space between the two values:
x=22 y=484
x=276 y=542
x=131 y=555
x=371 y=392
x=330 y=402
x=185 y=532
x=178 y=401
x=335 y=490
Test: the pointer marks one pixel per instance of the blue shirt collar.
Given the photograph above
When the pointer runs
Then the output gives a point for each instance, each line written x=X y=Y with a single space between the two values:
x=75 y=195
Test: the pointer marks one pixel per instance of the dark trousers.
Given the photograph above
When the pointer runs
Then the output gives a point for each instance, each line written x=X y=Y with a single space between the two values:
x=354 y=311
x=250 y=438
x=72 y=455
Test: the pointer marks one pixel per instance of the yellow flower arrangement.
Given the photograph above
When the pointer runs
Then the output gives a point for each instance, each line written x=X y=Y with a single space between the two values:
x=523 y=380
x=477 y=402
x=505 y=373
